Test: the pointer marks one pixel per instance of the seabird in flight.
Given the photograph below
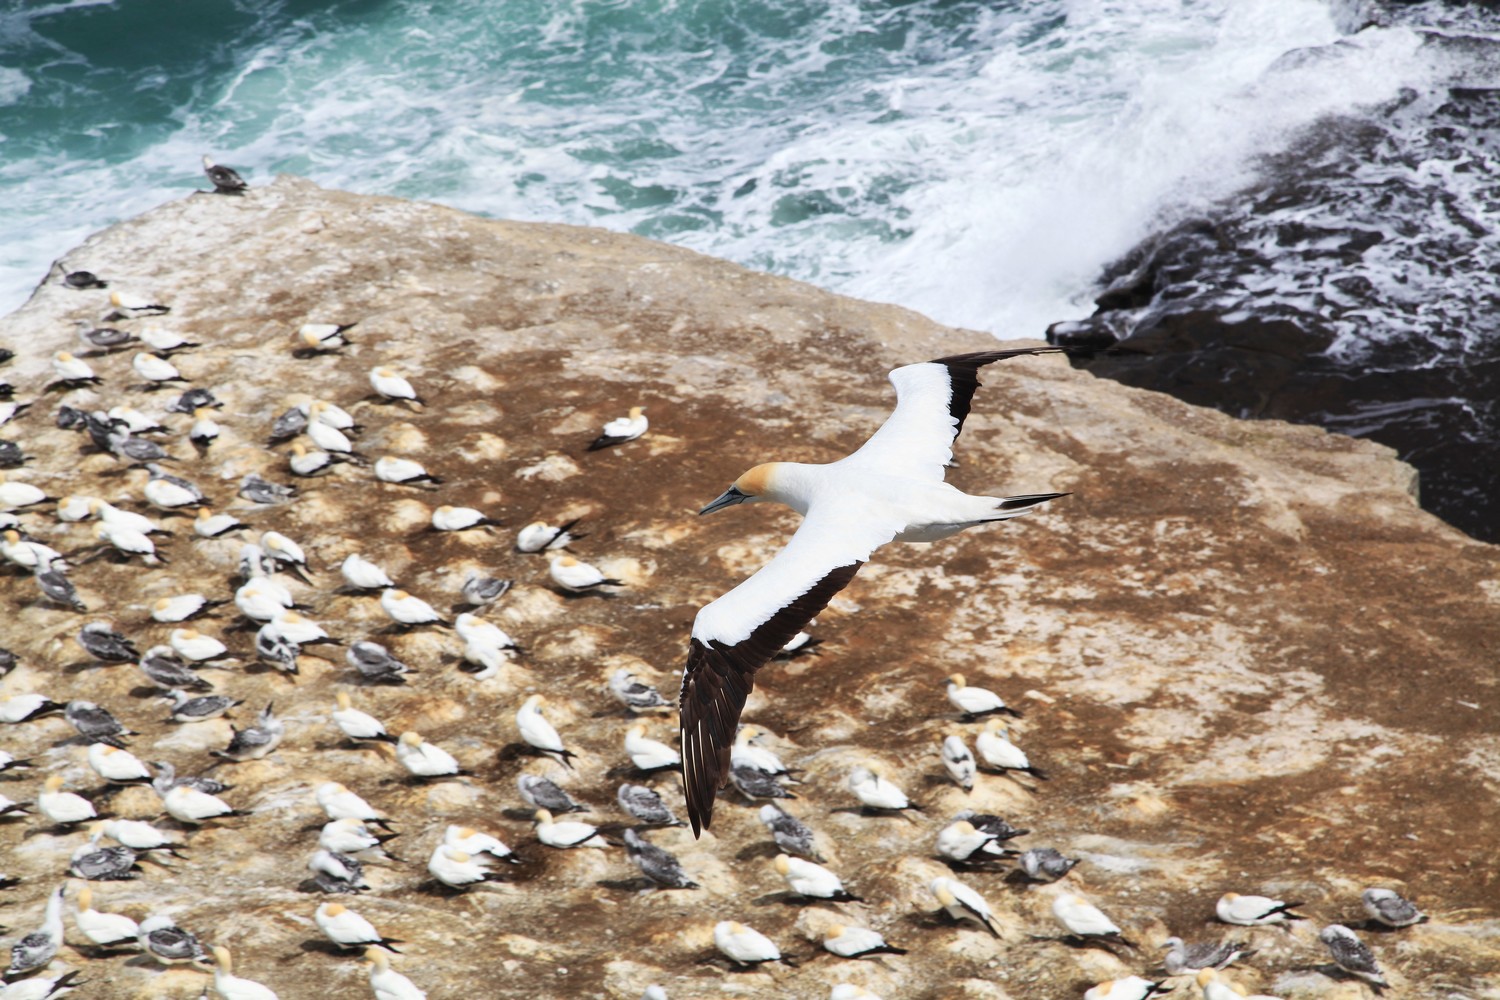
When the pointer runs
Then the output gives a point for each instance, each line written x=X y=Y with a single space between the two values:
x=891 y=489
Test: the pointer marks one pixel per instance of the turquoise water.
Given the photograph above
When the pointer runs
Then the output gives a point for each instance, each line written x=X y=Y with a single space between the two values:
x=976 y=161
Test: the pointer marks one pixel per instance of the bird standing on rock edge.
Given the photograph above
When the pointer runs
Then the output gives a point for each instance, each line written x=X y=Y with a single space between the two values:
x=891 y=489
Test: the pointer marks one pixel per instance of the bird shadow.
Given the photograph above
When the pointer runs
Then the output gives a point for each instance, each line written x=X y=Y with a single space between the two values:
x=759 y=850
x=325 y=948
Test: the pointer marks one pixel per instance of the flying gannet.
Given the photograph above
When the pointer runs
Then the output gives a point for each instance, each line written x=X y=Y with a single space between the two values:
x=891 y=489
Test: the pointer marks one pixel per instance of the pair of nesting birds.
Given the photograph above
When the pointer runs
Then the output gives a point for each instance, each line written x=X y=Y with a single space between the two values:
x=891 y=489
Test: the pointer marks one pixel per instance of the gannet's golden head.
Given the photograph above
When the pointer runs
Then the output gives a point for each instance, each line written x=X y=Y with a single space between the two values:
x=344 y=702
x=957 y=680
x=636 y=411
x=222 y=959
x=757 y=484
x=783 y=864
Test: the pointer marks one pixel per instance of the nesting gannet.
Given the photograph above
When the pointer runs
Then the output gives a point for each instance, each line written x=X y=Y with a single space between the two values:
x=338 y=802
x=182 y=607
x=205 y=431
x=1350 y=954
x=800 y=644
x=231 y=987
x=578 y=577
x=891 y=489
x=9 y=807
x=128 y=542
x=1045 y=864
x=387 y=983
x=73 y=372
x=188 y=805
x=108 y=930
x=539 y=536
x=536 y=731
x=476 y=631
x=103 y=864
x=15 y=494
x=376 y=664
x=101 y=339
x=975 y=702
x=622 y=429
x=55 y=586
x=811 y=880
x=645 y=805
x=281 y=551
x=25 y=707
x=289 y=424
x=790 y=834
x=648 y=754
x=391 y=386
x=306 y=462
x=963 y=842
x=962 y=903
x=856 y=942
x=355 y=724
x=659 y=866
x=322 y=338
x=156 y=371
x=186 y=709
x=38 y=988
x=94 y=723
x=1387 y=907
x=166 y=343
x=299 y=629
x=1254 y=911
x=167 y=779
x=875 y=792
x=633 y=693
x=1215 y=987
x=325 y=435
x=472 y=841
x=337 y=873
x=348 y=929
x=425 y=760
x=351 y=837
x=258 y=490
x=449 y=518
x=361 y=574
x=567 y=833
x=744 y=945
x=163 y=940
x=1186 y=959
x=747 y=752
x=753 y=783
x=408 y=611
x=193 y=399
x=226 y=180
x=36 y=949
x=141 y=836
x=170 y=492
x=543 y=793
x=11 y=455
x=1083 y=919
x=254 y=742
x=116 y=766
x=103 y=643
x=9 y=761
x=958 y=762
x=458 y=869
x=210 y=525
x=27 y=552
x=403 y=472
x=195 y=647
x=1129 y=988
x=479 y=590
x=123 y=445
x=132 y=304
x=998 y=753
x=850 y=991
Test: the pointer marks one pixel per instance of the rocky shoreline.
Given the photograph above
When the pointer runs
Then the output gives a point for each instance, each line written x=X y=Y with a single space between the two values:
x=1247 y=659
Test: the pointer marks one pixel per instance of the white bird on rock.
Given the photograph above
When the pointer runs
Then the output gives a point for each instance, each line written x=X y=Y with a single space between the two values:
x=1083 y=919
x=876 y=792
x=1254 y=911
x=391 y=386
x=425 y=760
x=348 y=929
x=891 y=489
x=622 y=429
x=962 y=903
x=744 y=945
x=566 y=833
x=361 y=574
x=648 y=754
x=107 y=930
x=975 y=702
x=232 y=987
x=408 y=611
x=578 y=577
x=536 y=731
x=387 y=983
x=402 y=471
x=1129 y=988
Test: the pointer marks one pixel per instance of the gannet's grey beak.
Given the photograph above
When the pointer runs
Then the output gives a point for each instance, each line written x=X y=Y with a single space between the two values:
x=728 y=498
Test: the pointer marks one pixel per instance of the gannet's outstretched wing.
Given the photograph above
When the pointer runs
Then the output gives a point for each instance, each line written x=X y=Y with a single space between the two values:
x=736 y=634
x=932 y=400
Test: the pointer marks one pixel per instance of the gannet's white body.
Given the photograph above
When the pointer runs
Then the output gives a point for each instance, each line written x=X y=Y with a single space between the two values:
x=891 y=489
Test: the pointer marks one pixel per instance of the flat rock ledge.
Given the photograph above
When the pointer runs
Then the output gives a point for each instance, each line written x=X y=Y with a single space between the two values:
x=1246 y=658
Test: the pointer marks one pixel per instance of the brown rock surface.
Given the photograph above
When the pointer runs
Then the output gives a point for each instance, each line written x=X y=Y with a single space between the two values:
x=1247 y=659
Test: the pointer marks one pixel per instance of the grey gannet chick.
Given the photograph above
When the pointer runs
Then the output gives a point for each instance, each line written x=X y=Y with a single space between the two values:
x=1385 y=906
x=163 y=940
x=337 y=873
x=479 y=590
x=975 y=702
x=186 y=709
x=95 y=723
x=232 y=987
x=1350 y=954
x=102 y=864
x=39 y=947
x=348 y=929
x=101 y=339
x=622 y=429
x=634 y=694
x=856 y=942
x=258 y=490
x=1189 y=959
x=1045 y=864
x=645 y=805
x=226 y=180
x=386 y=982
x=543 y=793
x=1254 y=911
x=357 y=725
x=538 y=536
x=958 y=762
x=167 y=779
x=107 y=930
x=254 y=742
x=753 y=783
x=895 y=484
x=376 y=664
x=106 y=645
x=790 y=833
x=79 y=280
x=1082 y=919
x=55 y=586
x=274 y=648
x=659 y=866
x=806 y=878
